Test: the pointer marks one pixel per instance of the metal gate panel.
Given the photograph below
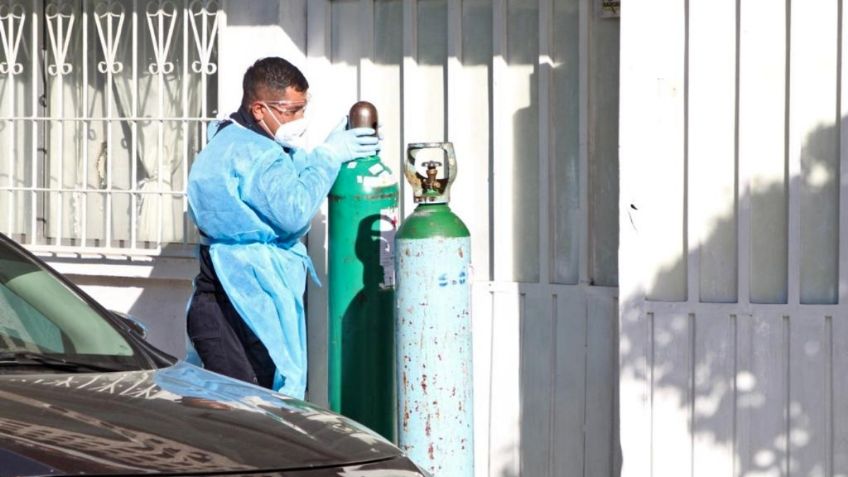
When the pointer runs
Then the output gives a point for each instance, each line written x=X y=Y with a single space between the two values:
x=838 y=350
x=544 y=396
x=711 y=185
x=813 y=139
x=713 y=371
x=762 y=154
x=730 y=391
x=736 y=376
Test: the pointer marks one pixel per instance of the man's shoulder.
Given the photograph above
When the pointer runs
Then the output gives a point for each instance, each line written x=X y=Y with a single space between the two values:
x=240 y=148
x=233 y=138
x=228 y=130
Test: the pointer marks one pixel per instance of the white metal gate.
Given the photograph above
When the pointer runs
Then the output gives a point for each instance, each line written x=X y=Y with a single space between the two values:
x=734 y=266
x=104 y=105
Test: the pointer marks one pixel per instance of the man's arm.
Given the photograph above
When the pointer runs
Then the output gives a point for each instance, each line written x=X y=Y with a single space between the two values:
x=286 y=196
x=289 y=196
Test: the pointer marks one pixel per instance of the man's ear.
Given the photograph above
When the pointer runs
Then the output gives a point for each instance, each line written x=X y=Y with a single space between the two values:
x=256 y=111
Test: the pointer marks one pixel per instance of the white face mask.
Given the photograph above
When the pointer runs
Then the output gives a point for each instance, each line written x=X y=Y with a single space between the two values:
x=292 y=133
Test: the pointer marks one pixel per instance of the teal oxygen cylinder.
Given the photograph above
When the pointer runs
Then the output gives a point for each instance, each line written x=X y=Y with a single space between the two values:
x=363 y=219
x=433 y=322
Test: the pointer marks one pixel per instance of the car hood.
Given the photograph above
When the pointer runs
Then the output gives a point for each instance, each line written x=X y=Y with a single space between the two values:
x=174 y=420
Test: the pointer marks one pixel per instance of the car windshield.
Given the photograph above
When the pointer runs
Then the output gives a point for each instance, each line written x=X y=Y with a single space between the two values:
x=41 y=317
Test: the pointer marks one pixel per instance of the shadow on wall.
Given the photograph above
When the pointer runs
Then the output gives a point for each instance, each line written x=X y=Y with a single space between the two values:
x=161 y=306
x=739 y=371
x=158 y=303
x=159 y=300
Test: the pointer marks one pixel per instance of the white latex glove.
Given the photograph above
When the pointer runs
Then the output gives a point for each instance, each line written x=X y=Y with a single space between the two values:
x=347 y=145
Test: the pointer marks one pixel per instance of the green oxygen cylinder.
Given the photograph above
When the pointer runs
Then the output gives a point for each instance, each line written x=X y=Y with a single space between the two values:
x=362 y=222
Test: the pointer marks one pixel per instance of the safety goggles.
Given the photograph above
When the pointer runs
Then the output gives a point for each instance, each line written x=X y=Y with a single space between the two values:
x=286 y=107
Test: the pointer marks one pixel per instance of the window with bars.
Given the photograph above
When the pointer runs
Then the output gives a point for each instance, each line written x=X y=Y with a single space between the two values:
x=103 y=105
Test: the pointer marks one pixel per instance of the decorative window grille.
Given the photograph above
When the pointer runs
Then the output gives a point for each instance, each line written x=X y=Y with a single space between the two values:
x=103 y=105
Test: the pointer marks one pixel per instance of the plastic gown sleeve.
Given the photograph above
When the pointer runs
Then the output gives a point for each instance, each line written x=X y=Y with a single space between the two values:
x=288 y=193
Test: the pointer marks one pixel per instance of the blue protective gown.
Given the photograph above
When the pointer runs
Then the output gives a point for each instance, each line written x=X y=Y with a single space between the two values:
x=254 y=201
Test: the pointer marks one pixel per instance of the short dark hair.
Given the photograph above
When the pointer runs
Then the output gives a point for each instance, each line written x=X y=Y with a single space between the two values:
x=273 y=73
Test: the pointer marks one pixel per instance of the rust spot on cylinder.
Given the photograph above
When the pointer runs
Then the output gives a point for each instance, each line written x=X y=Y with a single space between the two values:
x=427 y=427
x=431 y=452
x=460 y=253
x=424 y=383
x=405 y=417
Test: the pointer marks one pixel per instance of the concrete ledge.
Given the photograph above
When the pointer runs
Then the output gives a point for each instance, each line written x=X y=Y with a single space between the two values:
x=158 y=268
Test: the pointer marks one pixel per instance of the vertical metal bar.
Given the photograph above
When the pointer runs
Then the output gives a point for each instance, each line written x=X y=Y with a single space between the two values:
x=35 y=46
x=692 y=242
x=109 y=118
x=490 y=389
x=496 y=132
x=584 y=15
x=222 y=24
x=318 y=58
x=453 y=91
x=160 y=132
x=453 y=88
x=743 y=186
x=830 y=415
x=86 y=125
x=553 y=388
x=793 y=176
x=185 y=114
x=203 y=49
x=547 y=189
x=408 y=67
x=12 y=132
x=842 y=117
x=499 y=71
x=134 y=133
x=60 y=150
x=547 y=197
x=786 y=358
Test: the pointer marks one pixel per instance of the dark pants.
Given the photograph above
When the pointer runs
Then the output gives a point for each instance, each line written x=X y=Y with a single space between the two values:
x=225 y=343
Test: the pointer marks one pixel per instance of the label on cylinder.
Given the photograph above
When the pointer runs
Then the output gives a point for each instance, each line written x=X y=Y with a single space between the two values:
x=434 y=354
x=388 y=229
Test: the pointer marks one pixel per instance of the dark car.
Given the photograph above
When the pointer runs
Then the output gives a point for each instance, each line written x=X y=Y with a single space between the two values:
x=81 y=393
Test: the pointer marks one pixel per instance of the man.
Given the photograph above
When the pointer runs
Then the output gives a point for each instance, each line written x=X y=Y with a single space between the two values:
x=253 y=192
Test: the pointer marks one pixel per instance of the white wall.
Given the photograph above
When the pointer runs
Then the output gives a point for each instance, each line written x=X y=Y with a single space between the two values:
x=153 y=290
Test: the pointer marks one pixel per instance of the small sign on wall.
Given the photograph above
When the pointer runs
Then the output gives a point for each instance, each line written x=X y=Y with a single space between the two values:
x=610 y=8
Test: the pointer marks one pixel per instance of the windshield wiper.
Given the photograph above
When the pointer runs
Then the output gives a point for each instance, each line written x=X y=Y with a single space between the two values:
x=26 y=358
